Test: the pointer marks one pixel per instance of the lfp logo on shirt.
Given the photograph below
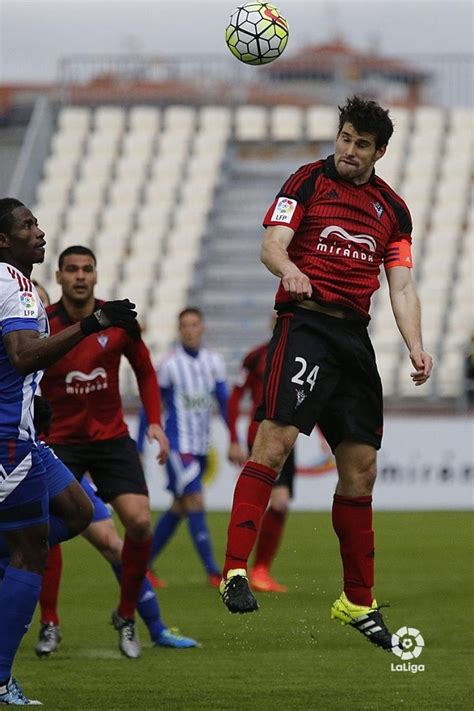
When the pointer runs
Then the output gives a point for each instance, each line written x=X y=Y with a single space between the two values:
x=284 y=210
x=28 y=305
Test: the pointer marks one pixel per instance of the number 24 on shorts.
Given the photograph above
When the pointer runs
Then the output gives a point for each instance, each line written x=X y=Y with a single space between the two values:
x=311 y=379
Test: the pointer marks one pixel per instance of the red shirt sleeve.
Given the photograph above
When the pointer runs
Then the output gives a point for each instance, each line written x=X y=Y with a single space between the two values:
x=139 y=357
x=284 y=211
x=398 y=249
x=289 y=206
x=398 y=254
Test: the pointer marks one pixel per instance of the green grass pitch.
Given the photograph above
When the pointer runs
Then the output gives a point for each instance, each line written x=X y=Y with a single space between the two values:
x=288 y=655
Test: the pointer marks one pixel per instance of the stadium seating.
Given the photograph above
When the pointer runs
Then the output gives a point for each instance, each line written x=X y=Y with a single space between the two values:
x=139 y=186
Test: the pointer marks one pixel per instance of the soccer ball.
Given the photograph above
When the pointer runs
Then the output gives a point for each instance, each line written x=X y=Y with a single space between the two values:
x=257 y=33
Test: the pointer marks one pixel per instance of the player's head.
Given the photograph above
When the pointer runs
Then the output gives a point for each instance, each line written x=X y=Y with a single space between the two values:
x=77 y=275
x=21 y=240
x=191 y=327
x=42 y=293
x=364 y=131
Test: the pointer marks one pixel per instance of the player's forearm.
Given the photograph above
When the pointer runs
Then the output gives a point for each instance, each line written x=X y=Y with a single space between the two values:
x=407 y=311
x=29 y=355
x=233 y=412
x=275 y=258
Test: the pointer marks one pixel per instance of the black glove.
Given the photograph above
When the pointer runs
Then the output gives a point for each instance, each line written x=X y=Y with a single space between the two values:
x=42 y=416
x=112 y=313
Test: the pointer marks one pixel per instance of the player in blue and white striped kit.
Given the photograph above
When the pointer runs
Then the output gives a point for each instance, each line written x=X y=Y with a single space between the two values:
x=191 y=379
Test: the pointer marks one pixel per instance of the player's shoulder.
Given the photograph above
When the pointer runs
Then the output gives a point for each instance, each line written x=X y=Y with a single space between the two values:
x=212 y=355
x=390 y=193
x=300 y=185
x=12 y=279
x=52 y=309
x=169 y=356
x=396 y=202
x=310 y=169
x=57 y=315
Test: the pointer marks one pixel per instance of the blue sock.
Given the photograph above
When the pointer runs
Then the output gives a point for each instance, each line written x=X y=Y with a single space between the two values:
x=19 y=594
x=164 y=529
x=148 y=606
x=200 y=534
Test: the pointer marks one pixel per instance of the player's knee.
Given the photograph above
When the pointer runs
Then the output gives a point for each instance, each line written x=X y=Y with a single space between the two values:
x=273 y=445
x=193 y=502
x=103 y=535
x=177 y=507
x=365 y=475
x=272 y=455
x=111 y=549
x=280 y=499
x=32 y=557
x=139 y=528
x=81 y=517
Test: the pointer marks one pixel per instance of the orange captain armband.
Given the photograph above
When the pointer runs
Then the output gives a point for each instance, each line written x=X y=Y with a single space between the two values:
x=398 y=254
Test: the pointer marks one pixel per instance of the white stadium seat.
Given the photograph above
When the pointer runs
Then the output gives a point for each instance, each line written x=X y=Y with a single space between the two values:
x=251 y=123
x=321 y=123
x=286 y=123
x=144 y=118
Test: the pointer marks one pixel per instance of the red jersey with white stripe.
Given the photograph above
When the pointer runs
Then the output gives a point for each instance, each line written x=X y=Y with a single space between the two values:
x=83 y=386
x=251 y=381
x=343 y=233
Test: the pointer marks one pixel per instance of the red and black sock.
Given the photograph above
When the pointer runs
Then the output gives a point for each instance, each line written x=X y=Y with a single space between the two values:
x=251 y=496
x=135 y=558
x=269 y=537
x=352 y=522
x=50 y=586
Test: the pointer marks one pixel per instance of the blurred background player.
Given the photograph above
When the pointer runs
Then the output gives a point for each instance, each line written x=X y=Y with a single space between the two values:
x=26 y=492
x=191 y=377
x=88 y=431
x=103 y=535
x=321 y=366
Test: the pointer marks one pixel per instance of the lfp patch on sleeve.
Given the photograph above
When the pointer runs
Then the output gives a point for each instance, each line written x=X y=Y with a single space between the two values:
x=28 y=305
x=284 y=210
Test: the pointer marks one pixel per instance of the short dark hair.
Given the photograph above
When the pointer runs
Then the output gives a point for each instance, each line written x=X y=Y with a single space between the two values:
x=367 y=117
x=191 y=310
x=76 y=249
x=7 y=205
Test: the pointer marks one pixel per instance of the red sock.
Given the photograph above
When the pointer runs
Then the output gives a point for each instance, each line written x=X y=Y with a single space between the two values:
x=50 y=586
x=135 y=558
x=269 y=537
x=352 y=522
x=251 y=496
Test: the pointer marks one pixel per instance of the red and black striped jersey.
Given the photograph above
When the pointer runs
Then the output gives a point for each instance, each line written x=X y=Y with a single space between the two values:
x=343 y=233
x=251 y=381
x=83 y=386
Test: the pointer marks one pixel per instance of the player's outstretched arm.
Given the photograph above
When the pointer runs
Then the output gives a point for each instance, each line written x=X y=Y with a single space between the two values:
x=407 y=311
x=275 y=257
x=28 y=352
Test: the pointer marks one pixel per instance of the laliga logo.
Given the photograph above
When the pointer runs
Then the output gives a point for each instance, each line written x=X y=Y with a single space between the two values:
x=412 y=644
x=358 y=239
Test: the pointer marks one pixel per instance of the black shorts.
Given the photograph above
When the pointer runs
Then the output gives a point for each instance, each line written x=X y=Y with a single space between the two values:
x=322 y=370
x=113 y=464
